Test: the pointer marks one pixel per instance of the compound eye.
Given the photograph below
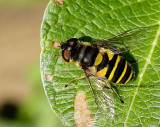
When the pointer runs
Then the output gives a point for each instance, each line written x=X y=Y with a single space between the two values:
x=66 y=55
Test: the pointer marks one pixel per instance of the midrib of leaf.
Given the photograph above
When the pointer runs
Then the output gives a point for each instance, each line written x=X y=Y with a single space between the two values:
x=148 y=61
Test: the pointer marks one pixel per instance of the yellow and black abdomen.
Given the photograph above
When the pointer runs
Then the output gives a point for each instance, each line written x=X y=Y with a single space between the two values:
x=101 y=62
x=114 y=68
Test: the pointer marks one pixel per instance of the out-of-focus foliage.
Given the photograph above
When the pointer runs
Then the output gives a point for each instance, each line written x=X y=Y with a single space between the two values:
x=35 y=111
x=21 y=3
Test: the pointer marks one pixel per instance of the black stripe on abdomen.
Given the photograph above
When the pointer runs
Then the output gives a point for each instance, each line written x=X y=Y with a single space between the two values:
x=104 y=62
x=110 y=65
x=126 y=76
x=119 y=70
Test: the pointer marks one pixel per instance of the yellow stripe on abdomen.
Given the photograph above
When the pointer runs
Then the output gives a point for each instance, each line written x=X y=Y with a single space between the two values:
x=99 y=59
x=114 y=68
x=123 y=73
x=110 y=54
x=102 y=72
x=130 y=76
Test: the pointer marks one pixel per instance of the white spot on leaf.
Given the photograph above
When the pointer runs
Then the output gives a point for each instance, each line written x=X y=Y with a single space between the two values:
x=48 y=77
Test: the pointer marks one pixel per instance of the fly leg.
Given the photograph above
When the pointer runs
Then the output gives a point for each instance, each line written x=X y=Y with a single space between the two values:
x=57 y=55
x=79 y=78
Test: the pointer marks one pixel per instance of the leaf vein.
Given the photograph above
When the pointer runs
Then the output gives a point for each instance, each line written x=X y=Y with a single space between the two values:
x=148 y=60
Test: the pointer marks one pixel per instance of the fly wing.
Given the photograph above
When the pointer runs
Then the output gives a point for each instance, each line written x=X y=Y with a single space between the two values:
x=125 y=41
x=103 y=98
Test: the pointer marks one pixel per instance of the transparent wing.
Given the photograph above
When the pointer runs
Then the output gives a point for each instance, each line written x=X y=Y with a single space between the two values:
x=103 y=97
x=125 y=41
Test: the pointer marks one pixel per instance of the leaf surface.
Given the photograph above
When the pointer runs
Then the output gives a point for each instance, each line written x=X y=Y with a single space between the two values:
x=99 y=19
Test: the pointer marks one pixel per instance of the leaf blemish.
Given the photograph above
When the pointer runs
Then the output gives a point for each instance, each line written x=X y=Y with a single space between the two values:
x=60 y=2
x=55 y=44
x=82 y=114
x=48 y=77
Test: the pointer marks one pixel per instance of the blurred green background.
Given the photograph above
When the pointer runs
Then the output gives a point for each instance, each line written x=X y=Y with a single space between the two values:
x=22 y=99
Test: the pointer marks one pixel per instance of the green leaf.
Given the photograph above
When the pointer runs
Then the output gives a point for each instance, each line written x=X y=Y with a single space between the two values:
x=100 y=19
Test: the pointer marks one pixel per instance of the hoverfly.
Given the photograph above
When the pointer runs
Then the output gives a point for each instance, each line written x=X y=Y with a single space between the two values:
x=103 y=61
